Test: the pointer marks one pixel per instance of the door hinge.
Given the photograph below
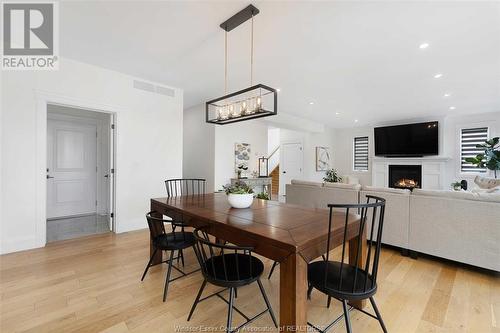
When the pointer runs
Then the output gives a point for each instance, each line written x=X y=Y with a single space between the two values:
x=112 y=170
x=96 y=202
x=112 y=215
x=112 y=126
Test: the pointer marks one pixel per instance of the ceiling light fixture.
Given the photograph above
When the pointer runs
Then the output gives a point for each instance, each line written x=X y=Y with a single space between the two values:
x=452 y=108
x=447 y=95
x=278 y=90
x=438 y=75
x=423 y=46
x=311 y=103
x=253 y=102
x=355 y=120
x=337 y=113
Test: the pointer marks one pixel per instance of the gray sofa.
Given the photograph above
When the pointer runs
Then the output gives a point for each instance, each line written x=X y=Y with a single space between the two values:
x=460 y=226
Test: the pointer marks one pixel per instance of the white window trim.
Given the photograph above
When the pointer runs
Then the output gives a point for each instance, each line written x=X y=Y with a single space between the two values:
x=354 y=153
x=461 y=173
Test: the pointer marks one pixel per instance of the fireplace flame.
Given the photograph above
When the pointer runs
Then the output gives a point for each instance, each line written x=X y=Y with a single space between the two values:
x=406 y=183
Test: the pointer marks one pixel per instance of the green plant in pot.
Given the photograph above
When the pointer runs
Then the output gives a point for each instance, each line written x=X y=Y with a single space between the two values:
x=490 y=159
x=457 y=186
x=263 y=196
x=239 y=195
x=332 y=176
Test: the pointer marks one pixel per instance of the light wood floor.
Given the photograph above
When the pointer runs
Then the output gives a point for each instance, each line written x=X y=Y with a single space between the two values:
x=93 y=284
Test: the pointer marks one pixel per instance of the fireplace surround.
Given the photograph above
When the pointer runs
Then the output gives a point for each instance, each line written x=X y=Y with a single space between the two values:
x=405 y=176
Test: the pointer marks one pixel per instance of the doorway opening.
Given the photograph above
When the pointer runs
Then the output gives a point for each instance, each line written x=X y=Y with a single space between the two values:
x=80 y=172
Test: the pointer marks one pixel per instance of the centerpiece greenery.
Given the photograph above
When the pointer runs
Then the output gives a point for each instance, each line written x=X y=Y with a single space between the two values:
x=237 y=188
x=457 y=186
x=239 y=195
x=490 y=159
x=332 y=176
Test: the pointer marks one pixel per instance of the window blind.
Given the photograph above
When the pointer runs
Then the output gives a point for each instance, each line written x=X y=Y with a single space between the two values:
x=469 y=138
x=361 y=153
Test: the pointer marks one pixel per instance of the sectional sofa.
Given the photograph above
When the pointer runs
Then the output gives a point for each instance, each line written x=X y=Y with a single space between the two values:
x=460 y=226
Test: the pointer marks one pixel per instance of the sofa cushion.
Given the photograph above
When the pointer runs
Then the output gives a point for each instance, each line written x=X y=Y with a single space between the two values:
x=355 y=187
x=346 y=179
x=464 y=195
x=487 y=183
x=306 y=182
x=386 y=189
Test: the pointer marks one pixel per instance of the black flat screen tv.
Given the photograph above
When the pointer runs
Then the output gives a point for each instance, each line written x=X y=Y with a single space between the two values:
x=407 y=140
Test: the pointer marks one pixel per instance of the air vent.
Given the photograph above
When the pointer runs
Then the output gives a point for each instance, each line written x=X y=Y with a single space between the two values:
x=165 y=91
x=146 y=86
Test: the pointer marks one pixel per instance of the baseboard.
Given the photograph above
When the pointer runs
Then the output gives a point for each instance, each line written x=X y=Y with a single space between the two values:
x=18 y=244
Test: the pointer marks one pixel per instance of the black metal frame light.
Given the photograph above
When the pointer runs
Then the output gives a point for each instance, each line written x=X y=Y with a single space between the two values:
x=256 y=101
x=217 y=112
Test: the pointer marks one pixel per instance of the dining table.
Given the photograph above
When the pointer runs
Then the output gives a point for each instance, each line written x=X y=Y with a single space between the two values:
x=290 y=234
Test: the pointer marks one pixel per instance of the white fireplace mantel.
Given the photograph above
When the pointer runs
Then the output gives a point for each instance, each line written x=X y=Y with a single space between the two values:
x=433 y=169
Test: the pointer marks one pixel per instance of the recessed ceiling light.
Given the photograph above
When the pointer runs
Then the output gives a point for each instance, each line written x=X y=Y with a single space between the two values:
x=278 y=90
x=337 y=113
x=452 y=108
x=438 y=75
x=423 y=46
x=355 y=120
x=311 y=103
x=447 y=95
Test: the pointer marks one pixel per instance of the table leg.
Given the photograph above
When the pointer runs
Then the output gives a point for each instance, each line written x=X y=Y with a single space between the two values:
x=158 y=258
x=293 y=294
x=353 y=248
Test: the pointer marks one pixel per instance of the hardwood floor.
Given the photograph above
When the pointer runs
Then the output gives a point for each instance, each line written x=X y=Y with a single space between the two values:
x=92 y=284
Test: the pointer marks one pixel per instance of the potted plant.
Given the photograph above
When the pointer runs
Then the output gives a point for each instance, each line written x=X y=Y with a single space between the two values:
x=457 y=186
x=332 y=176
x=490 y=159
x=239 y=195
x=263 y=196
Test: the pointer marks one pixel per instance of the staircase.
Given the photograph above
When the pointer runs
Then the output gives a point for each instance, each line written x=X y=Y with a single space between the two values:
x=275 y=175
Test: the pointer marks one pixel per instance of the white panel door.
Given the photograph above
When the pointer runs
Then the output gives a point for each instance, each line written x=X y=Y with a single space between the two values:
x=71 y=168
x=291 y=167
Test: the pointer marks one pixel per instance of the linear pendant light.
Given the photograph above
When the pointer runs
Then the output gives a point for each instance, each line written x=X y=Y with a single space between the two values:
x=256 y=101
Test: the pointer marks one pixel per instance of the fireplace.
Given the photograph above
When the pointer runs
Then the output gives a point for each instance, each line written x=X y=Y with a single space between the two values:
x=405 y=176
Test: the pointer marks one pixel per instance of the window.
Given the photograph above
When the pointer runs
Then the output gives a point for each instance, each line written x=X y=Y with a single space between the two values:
x=469 y=138
x=361 y=153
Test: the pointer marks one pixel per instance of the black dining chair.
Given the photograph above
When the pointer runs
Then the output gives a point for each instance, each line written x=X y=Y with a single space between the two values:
x=184 y=186
x=345 y=282
x=168 y=242
x=229 y=267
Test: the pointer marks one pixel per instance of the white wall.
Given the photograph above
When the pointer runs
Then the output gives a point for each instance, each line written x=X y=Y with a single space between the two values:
x=449 y=131
x=199 y=148
x=343 y=152
x=148 y=147
x=273 y=139
x=309 y=143
x=252 y=132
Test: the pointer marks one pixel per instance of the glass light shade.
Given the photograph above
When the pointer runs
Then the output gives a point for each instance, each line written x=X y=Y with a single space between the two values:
x=250 y=103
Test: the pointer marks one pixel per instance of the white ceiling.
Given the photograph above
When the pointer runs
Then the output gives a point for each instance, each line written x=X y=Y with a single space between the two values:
x=359 y=59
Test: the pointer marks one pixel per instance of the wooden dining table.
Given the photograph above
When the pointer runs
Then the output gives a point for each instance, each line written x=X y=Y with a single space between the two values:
x=290 y=234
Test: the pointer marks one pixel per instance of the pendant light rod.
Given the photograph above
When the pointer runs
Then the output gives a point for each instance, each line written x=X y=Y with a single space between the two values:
x=251 y=56
x=225 y=63
x=240 y=17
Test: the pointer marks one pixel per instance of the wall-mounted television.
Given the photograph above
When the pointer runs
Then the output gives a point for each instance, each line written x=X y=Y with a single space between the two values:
x=407 y=140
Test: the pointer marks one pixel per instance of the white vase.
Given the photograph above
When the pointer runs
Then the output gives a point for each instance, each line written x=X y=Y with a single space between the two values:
x=240 y=200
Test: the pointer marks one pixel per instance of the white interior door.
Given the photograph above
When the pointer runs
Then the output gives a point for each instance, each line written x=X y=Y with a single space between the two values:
x=291 y=165
x=71 y=168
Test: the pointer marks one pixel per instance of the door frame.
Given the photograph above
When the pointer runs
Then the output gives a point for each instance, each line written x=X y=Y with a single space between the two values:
x=282 y=189
x=43 y=99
